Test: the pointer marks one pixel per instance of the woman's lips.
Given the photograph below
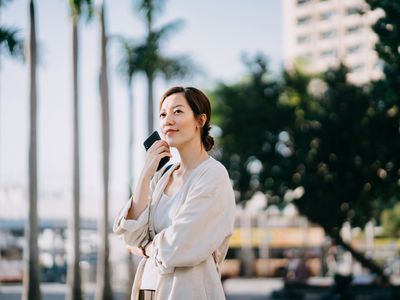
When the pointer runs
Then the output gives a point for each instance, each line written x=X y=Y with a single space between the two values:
x=169 y=132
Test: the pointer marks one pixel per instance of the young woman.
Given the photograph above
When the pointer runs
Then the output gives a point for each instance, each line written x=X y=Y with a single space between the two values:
x=180 y=220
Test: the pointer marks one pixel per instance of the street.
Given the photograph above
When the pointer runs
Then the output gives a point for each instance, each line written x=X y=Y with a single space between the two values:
x=235 y=289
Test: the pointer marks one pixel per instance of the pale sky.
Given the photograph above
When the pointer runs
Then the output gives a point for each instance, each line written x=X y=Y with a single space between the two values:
x=215 y=34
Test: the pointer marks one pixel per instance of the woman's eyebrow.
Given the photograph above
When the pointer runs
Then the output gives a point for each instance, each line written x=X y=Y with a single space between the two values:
x=173 y=107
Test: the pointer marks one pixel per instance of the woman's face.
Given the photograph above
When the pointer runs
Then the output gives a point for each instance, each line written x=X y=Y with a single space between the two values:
x=178 y=123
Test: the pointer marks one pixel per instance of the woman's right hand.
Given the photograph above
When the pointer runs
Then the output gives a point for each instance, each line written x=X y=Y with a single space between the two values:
x=156 y=152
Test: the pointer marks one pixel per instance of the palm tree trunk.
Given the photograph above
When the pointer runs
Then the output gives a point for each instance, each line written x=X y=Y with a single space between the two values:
x=129 y=257
x=104 y=291
x=74 y=274
x=0 y=108
x=130 y=138
x=150 y=113
x=31 y=280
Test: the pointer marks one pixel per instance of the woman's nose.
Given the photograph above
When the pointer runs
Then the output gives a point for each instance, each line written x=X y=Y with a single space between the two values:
x=169 y=119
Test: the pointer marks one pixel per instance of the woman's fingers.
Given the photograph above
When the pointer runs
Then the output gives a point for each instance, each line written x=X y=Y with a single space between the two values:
x=158 y=144
x=159 y=148
x=162 y=149
x=156 y=152
x=164 y=154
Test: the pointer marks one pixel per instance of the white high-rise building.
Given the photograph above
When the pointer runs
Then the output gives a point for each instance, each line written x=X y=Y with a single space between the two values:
x=324 y=32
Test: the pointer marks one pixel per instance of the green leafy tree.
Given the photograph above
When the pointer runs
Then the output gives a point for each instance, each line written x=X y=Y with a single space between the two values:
x=390 y=219
x=78 y=8
x=385 y=117
x=249 y=115
x=311 y=135
x=337 y=162
x=388 y=30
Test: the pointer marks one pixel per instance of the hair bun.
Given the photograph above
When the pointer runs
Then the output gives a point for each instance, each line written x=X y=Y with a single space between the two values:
x=208 y=142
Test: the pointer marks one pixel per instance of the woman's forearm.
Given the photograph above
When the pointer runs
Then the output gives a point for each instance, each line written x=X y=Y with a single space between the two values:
x=140 y=197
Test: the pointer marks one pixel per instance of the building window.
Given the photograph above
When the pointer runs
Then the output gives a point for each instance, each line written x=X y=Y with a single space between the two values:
x=303 y=20
x=353 y=29
x=353 y=11
x=302 y=2
x=303 y=39
x=327 y=34
x=356 y=68
x=329 y=53
x=353 y=49
x=326 y=15
x=305 y=56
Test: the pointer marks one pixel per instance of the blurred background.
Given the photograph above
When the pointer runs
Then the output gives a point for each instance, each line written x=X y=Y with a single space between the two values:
x=305 y=97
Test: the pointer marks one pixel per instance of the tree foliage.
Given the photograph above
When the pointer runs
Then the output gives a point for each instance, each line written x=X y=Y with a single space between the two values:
x=329 y=146
x=249 y=117
x=10 y=41
x=386 y=94
x=387 y=29
x=315 y=142
x=336 y=141
x=390 y=219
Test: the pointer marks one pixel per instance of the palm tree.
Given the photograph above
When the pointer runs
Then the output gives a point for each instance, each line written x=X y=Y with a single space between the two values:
x=104 y=291
x=128 y=66
x=77 y=8
x=31 y=280
x=152 y=61
x=11 y=42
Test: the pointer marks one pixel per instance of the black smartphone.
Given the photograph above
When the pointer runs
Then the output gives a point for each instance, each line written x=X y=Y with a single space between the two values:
x=150 y=141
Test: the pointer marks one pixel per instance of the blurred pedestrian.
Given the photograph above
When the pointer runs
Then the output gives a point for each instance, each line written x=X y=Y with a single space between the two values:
x=180 y=219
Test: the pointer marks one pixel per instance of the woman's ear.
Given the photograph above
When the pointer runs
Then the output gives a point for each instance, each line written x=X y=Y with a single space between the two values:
x=202 y=120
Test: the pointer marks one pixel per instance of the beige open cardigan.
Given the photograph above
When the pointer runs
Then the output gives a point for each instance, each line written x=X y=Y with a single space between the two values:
x=187 y=253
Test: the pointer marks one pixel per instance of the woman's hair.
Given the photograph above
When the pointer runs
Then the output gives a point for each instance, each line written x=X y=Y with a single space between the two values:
x=199 y=104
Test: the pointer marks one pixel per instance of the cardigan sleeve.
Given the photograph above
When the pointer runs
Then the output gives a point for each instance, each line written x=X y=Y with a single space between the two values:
x=202 y=224
x=134 y=232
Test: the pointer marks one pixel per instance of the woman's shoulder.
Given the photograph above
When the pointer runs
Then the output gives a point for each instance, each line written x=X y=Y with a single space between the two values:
x=214 y=170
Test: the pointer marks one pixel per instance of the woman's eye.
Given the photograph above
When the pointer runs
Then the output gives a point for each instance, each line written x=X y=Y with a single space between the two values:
x=162 y=115
x=177 y=111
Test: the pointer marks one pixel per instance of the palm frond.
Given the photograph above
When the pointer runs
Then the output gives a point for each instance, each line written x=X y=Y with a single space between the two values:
x=11 y=42
x=130 y=55
x=176 y=67
x=82 y=8
x=3 y=3
x=149 y=8
x=166 y=30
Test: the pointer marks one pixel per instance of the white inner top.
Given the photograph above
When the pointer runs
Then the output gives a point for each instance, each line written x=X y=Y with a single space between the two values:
x=163 y=216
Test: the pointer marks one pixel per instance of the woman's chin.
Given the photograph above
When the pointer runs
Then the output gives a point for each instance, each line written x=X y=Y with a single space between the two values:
x=170 y=142
x=173 y=143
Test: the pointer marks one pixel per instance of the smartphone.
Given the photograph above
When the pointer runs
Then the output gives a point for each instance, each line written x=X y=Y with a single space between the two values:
x=150 y=141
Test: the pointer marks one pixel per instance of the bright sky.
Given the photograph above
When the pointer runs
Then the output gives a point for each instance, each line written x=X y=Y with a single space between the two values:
x=215 y=34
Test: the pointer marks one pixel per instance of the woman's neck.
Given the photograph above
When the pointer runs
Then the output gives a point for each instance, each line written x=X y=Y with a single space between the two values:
x=191 y=157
